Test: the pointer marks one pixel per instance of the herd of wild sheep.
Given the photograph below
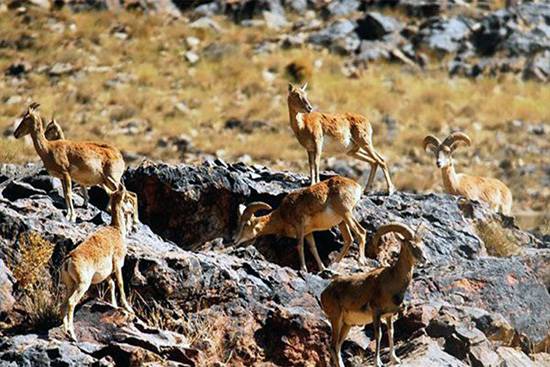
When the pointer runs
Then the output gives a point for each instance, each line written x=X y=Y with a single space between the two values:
x=358 y=299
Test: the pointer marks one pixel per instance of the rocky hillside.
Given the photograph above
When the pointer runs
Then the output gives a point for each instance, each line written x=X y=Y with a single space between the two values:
x=481 y=299
x=181 y=81
x=475 y=37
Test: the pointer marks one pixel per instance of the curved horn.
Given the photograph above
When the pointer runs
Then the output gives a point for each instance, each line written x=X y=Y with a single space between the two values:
x=253 y=208
x=454 y=140
x=431 y=142
x=402 y=229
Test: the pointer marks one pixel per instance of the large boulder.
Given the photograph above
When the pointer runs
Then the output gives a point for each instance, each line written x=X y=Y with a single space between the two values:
x=206 y=198
x=338 y=36
x=375 y=26
x=445 y=35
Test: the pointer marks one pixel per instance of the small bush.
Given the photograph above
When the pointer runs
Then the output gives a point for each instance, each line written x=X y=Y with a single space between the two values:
x=299 y=71
x=41 y=296
x=35 y=253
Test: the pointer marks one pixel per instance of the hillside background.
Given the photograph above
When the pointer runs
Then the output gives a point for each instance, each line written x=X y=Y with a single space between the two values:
x=184 y=80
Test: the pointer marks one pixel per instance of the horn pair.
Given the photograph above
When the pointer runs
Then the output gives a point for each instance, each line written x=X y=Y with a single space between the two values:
x=402 y=229
x=452 y=141
x=252 y=208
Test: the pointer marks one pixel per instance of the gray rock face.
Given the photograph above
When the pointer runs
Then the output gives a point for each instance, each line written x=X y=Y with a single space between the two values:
x=446 y=36
x=339 y=36
x=206 y=198
x=462 y=308
x=375 y=26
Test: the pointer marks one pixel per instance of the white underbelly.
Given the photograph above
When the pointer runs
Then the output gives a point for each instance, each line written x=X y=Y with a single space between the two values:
x=333 y=145
x=103 y=271
x=90 y=175
x=322 y=221
x=357 y=318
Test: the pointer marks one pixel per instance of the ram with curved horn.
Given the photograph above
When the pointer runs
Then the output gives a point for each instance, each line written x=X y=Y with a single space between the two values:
x=372 y=297
x=319 y=207
x=484 y=189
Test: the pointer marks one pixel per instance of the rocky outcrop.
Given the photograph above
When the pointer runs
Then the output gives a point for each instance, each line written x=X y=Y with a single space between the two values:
x=200 y=301
x=477 y=40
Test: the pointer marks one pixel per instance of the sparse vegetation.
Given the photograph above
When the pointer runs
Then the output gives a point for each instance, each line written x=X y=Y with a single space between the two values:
x=41 y=298
x=144 y=75
x=207 y=333
x=498 y=240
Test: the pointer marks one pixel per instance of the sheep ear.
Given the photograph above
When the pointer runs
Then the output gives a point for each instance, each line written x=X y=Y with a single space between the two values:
x=290 y=87
x=241 y=209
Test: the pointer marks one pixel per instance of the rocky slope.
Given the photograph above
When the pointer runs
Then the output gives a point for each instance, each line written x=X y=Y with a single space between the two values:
x=201 y=301
x=471 y=38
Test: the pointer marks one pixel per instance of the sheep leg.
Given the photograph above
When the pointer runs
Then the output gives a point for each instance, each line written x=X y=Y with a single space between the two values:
x=373 y=166
x=360 y=232
x=313 y=248
x=348 y=240
x=311 y=161
x=84 y=193
x=377 y=337
x=120 y=284
x=344 y=330
x=393 y=356
x=112 y=291
x=68 y=193
x=70 y=288
x=336 y=324
x=382 y=162
x=74 y=298
x=317 y=159
x=301 y=249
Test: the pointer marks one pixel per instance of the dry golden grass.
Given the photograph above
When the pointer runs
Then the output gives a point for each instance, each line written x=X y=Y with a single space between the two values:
x=207 y=333
x=41 y=298
x=498 y=241
x=146 y=76
x=34 y=254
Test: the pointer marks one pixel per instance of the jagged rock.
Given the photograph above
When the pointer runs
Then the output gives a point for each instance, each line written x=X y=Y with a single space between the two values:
x=339 y=36
x=43 y=182
x=6 y=285
x=538 y=67
x=375 y=26
x=18 y=190
x=514 y=358
x=215 y=190
x=460 y=307
x=423 y=8
x=18 y=69
x=445 y=35
x=340 y=8
x=33 y=350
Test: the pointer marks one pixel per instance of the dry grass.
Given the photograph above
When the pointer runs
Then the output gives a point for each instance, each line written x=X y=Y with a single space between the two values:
x=41 y=298
x=34 y=254
x=498 y=241
x=146 y=76
x=205 y=332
